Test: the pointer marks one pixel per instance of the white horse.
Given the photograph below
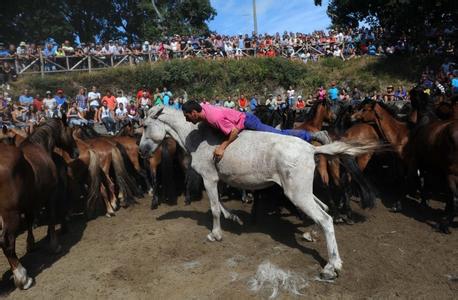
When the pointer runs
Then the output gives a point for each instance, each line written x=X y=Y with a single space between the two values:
x=255 y=160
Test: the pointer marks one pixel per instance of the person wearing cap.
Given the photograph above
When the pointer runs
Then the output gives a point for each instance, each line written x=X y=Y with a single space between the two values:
x=300 y=103
x=230 y=122
x=61 y=100
x=105 y=115
x=50 y=105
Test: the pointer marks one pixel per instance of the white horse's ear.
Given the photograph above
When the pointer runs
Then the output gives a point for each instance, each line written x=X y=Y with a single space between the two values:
x=158 y=113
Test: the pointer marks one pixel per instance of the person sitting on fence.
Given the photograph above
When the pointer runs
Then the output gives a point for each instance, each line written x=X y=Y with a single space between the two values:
x=50 y=105
x=105 y=116
x=74 y=115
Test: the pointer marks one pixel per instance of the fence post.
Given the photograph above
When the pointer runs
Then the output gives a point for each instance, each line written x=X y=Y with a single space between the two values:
x=42 y=65
x=89 y=63
x=130 y=60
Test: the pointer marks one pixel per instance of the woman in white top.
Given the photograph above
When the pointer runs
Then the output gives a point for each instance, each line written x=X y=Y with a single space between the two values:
x=93 y=97
x=106 y=117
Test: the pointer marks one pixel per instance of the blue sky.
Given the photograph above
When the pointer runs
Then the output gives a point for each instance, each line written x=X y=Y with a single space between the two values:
x=236 y=16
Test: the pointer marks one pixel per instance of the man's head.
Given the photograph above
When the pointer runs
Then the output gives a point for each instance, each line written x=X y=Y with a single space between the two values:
x=192 y=111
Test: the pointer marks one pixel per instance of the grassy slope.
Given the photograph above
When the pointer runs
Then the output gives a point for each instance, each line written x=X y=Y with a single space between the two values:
x=203 y=78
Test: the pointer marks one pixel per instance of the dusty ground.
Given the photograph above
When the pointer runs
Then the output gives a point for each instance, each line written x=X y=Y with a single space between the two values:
x=163 y=254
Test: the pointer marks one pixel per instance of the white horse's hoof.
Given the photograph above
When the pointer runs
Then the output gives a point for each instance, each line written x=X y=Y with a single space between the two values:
x=212 y=237
x=329 y=273
x=21 y=280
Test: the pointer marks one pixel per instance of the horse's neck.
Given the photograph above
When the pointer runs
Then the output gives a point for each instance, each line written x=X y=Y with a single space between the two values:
x=394 y=131
x=178 y=128
x=318 y=118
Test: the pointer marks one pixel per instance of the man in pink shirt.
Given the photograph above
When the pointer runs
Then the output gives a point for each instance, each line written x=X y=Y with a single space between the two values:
x=230 y=122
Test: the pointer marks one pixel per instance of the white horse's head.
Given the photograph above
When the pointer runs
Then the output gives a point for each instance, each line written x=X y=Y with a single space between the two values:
x=153 y=132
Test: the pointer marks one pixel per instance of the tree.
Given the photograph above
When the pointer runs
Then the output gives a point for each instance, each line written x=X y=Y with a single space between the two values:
x=413 y=16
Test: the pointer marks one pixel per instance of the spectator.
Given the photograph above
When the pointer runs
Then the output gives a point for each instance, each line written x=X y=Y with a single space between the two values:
x=38 y=103
x=121 y=116
x=242 y=103
x=121 y=99
x=82 y=100
x=145 y=102
x=333 y=92
x=389 y=95
x=157 y=97
x=3 y=51
x=229 y=103
x=50 y=105
x=94 y=97
x=300 y=104
x=166 y=95
x=253 y=103
x=110 y=99
x=145 y=89
x=74 y=115
x=271 y=103
x=61 y=100
x=25 y=99
x=400 y=93
x=321 y=93
x=179 y=103
x=132 y=112
x=105 y=116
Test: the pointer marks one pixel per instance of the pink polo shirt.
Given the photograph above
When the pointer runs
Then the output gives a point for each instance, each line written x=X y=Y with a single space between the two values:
x=224 y=119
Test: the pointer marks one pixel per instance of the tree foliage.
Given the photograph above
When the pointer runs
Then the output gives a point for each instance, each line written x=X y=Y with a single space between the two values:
x=412 y=16
x=90 y=20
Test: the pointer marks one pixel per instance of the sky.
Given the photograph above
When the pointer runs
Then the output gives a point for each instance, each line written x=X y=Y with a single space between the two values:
x=236 y=16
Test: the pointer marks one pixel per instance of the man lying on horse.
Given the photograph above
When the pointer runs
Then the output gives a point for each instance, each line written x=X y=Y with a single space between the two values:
x=230 y=122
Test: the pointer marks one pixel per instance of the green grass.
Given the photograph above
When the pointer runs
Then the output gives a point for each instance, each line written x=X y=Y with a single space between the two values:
x=205 y=78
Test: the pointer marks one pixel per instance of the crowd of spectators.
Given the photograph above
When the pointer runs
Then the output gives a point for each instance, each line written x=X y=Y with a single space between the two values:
x=114 y=110
x=345 y=44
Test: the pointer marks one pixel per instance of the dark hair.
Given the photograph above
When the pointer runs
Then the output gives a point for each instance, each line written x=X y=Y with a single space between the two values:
x=191 y=105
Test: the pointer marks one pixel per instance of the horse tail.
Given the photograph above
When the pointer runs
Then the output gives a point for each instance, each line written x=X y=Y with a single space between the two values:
x=94 y=185
x=123 y=180
x=137 y=177
x=167 y=173
x=366 y=190
x=339 y=148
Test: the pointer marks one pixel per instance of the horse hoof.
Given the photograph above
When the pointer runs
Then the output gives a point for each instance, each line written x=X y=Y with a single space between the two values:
x=444 y=229
x=327 y=274
x=21 y=280
x=55 y=249
x=154 y=206
x=213 y=238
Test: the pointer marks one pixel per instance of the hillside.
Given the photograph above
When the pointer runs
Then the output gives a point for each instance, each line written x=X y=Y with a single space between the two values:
x=205 y=78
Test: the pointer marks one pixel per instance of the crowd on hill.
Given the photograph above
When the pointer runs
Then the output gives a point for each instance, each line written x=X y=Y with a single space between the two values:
x=345 y=44
x=118 y=108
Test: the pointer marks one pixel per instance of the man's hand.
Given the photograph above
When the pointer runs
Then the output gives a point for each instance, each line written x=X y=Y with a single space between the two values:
x=218 y=153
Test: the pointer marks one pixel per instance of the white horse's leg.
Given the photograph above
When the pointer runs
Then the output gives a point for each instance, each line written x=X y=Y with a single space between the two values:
x=301 y=196
x=212 y=192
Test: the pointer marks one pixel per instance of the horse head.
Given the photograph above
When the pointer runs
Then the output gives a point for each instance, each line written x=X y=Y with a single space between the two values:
x=153 y=132
x=366 y=112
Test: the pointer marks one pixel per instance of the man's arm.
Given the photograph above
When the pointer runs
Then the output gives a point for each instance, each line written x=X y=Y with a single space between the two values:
x=219 y=151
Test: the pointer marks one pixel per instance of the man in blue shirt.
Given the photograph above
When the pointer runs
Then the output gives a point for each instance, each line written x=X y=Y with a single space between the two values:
x=3 y=52
x=371 y=49
x=61 y=100
x=333 y=92
x=25 y=99
x=166 y=96
x=253 y=103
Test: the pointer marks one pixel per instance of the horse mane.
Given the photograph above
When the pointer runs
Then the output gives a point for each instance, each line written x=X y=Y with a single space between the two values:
x=342 y=121
x=45 y=134
x=392 y=111
x=312 y=111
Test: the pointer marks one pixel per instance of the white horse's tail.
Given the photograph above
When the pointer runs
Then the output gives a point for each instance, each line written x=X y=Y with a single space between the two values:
x=348 y=148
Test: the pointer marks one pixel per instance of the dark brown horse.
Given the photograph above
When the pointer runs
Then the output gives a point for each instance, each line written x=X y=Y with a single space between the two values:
x=29 y=180
x=433 y=149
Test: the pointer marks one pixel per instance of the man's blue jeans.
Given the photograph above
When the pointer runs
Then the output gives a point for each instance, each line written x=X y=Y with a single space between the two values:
x=253 y=123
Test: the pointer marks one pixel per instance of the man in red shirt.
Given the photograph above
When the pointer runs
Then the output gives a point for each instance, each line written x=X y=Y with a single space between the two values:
x=243 y=103
x=38 y=103
x=110 y=99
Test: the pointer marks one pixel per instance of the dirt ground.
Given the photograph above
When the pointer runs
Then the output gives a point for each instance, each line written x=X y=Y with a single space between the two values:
x=163 y=254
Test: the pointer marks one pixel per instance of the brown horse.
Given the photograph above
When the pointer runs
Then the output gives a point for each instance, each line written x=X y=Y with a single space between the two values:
x=321 y=111
x=29 y=180
x=433 y=149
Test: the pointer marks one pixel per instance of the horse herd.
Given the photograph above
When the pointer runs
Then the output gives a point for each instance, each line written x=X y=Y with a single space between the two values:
x=65 y=170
